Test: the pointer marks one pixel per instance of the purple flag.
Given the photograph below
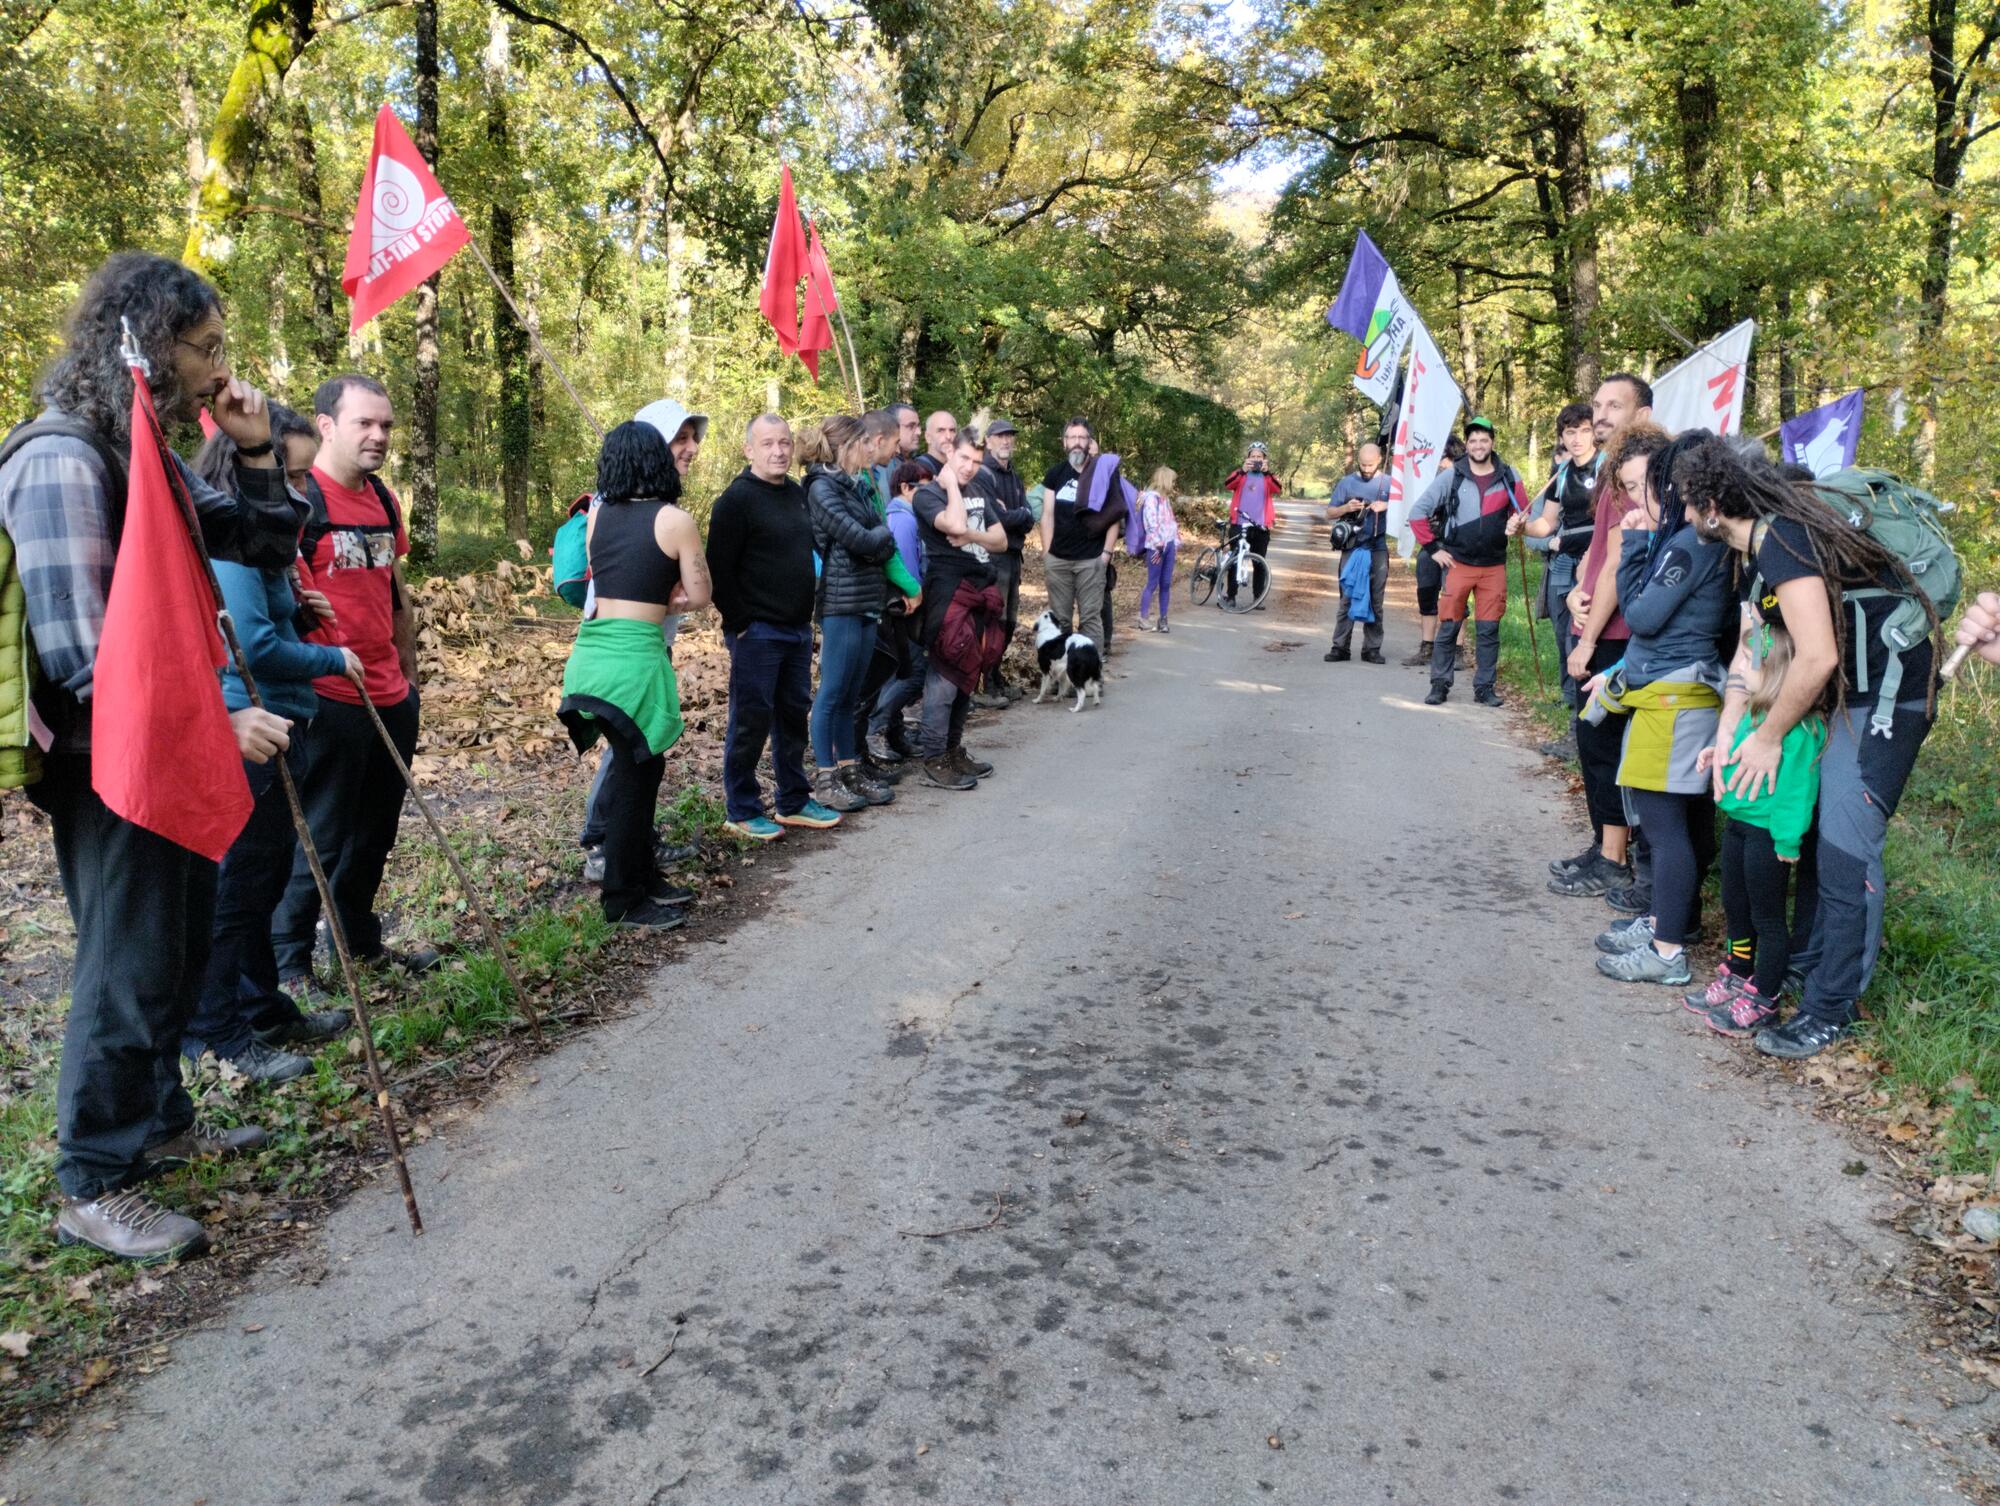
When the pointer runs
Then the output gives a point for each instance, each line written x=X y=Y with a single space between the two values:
x=1824 y=440
x=1360 y=289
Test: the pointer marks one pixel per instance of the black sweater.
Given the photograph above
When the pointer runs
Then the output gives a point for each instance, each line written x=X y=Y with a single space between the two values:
x=760 y=553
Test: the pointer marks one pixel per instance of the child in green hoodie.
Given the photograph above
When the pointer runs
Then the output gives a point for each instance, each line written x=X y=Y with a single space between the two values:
x=1759 y=850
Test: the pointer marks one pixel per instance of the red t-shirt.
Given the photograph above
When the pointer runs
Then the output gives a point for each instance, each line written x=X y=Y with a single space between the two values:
x=354 y=564
x=1611 y=506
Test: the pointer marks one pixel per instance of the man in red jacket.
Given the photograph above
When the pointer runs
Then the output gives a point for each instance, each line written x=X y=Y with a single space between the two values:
x=1253 y=501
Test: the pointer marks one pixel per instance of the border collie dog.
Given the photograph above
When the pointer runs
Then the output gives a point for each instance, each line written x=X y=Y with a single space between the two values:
x=1067 y=656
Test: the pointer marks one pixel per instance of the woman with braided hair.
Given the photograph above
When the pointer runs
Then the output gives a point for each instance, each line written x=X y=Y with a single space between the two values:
x=1802 y=560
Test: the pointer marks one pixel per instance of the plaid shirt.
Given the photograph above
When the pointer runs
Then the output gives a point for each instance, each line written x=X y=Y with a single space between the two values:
x=53 y=505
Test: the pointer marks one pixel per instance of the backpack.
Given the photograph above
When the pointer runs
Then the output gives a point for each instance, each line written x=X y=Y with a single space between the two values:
x=1909 y=523
x=569 y=555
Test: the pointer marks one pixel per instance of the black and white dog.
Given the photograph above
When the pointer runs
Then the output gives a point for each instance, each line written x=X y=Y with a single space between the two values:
x=1067 y=656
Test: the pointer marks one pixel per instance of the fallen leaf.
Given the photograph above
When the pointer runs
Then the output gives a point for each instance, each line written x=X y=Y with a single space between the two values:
x=1074 y=1118
x=16 y=1344
x=253 y=1327
x=96 y=1373
x=1902 y=1132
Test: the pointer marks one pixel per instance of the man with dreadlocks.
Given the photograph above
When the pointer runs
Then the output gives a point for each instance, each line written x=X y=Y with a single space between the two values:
x=1802 y=559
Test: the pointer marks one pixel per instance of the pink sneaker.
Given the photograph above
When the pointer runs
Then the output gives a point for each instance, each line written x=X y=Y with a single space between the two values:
x=1745 y=1014
x=1727 y=985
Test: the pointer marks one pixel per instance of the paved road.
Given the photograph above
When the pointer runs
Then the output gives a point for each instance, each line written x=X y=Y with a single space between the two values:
x=1213 y=1108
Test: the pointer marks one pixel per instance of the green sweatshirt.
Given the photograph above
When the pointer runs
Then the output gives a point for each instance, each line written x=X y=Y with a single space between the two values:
x=897 y=572
x=1786 y=812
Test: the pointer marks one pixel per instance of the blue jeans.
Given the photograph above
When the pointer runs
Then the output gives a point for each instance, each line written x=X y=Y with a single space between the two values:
x=846 y=644
x=770 y=697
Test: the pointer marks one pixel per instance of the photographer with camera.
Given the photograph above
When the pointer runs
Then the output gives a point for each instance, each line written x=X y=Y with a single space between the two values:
x=1358 y=512
x=1253 y=496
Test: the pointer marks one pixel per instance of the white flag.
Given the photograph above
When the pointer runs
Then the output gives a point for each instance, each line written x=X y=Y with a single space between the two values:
x=1389 y=330
x=1706 y=390
x=1431 y=401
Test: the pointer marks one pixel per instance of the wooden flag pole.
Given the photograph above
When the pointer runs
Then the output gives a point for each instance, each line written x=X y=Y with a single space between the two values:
x=534 y=335
x=1534 y=643
x=852 y=384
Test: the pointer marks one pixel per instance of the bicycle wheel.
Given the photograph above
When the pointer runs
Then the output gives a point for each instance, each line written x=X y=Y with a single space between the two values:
x=1251 y=592
x=1201 y=579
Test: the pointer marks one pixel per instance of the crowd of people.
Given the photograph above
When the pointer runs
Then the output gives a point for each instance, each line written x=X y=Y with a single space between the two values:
x=1733 y=645
x=1727 y=654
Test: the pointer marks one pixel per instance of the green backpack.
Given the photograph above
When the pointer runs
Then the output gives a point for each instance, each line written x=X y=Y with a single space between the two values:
x=1909 y=523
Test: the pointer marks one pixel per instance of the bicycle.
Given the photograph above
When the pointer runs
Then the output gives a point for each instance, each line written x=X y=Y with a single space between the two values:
x=1246 y=577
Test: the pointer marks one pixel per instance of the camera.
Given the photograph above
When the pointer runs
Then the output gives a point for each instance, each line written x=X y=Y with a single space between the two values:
x=1345 y=533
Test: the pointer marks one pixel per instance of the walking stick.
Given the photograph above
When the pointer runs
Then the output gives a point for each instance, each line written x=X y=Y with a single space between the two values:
x=227 y=625
x=1534 y=643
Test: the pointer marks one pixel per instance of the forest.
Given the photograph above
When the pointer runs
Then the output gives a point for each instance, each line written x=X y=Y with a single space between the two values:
x=1135 y=211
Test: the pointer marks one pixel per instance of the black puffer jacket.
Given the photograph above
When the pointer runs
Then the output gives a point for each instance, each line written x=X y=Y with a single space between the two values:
x=853 y=545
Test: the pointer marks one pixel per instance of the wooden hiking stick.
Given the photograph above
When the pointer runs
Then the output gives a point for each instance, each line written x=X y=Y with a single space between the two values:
x=493 y=937
x=1534 y=644
x=227 y=625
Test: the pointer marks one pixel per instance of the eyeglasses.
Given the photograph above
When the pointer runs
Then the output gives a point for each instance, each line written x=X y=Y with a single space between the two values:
x=215 y=351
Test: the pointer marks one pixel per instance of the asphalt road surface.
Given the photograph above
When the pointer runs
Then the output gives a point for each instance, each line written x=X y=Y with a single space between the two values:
x=1213 y=1107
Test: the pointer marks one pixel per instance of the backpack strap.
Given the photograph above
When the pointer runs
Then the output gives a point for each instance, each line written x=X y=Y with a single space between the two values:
x=319 y=524
x=25 y=433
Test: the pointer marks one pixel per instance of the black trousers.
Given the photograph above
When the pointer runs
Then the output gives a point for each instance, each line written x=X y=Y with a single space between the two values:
x=1754 y=886
x=1430 y=583
x=630 y=800
x=354 y=800
x=1598 y=747
x=143 y=908
x=240 y=993
x=1680 y=831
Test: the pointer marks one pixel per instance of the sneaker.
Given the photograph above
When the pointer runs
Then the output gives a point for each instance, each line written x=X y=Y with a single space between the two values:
x=661 y=892
x=1420 y=657
x=650 y=916
x=1336 y=656
x=1372 y=656
x=1564 y=867
x=813 y=813
x=1725 y=986
x=593 y=865
x=1162 y=628
x=946 y=776
x=262 y=1063
x=1744 y=1013
x=987 y=700
x=756 y=829
x=882 y=753
x=1599 y=876
x=204 y=1142
x=965 y=763
x=830 y=789
x=415 y=960
x=1794 y=984
x=131 y=1226
x=1488 y=697
x=857 y=782
x=665 y=856
x=1630 y=899
x=1141 y=625
x=308 y=1029
x=877 y=772
x=1626 y=935
x=1646 y=965
x=1016 y=693
x=1801 y=1036
x=1440 y=693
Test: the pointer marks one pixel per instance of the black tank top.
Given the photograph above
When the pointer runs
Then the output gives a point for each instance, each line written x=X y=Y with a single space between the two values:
x=625 y=562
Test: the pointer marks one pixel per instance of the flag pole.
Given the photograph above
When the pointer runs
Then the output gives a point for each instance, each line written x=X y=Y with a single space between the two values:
x=853 y=387
x=1534 y=643
x=227 y=624
x=472 y=244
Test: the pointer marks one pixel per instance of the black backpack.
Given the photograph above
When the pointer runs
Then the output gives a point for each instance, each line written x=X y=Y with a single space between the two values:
x=69 y=428
x=319 y=525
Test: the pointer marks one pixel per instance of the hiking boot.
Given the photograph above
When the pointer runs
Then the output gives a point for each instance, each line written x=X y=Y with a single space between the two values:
x=1336 y=655
x=965 y=763
x=1564 y=867
x=1440 y=693
x=857 y=782
x=204 y=1142
x=415 y=961
x=816 y=814
x=661 y=892
x=1801 y=1036
x=131 y=1226
x=1646 y=965
x=1421 y=658
x=1014 y=692
x=1626 y=935
x=1744 y=1012
x=1372 y=656
x=877 y=771
x=1725 y=986
x=1488 y=697
x=1630 y=899
x=987 y=700
x=831 y=791
x=648 y=915
x=672 y=856
x=304 y=986
x=1563 y=750
x=593 y=865
x=1599 y=876
x=882 y=753
x=262 y=1063
x=947 y=776
x=309 y=1029
x=756 y=829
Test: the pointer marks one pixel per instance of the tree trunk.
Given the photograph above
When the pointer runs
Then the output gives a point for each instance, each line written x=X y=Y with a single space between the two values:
x=277 y=30
x=1788 y=373
x=1704 y=184
x=319 y=268
x=1575 y=187
x=1468 y=342
x=510 y=341
x=424 y=418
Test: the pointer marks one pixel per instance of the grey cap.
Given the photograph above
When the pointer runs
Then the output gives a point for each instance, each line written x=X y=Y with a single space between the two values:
x=999 y=426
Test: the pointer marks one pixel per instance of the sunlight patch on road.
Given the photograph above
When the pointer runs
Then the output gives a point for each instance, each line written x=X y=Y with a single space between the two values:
x=1250 y=687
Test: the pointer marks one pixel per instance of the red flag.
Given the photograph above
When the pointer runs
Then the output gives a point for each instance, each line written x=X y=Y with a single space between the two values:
x=163 y=754
x=821 y=301
x=405 y=228
x=784 y=266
